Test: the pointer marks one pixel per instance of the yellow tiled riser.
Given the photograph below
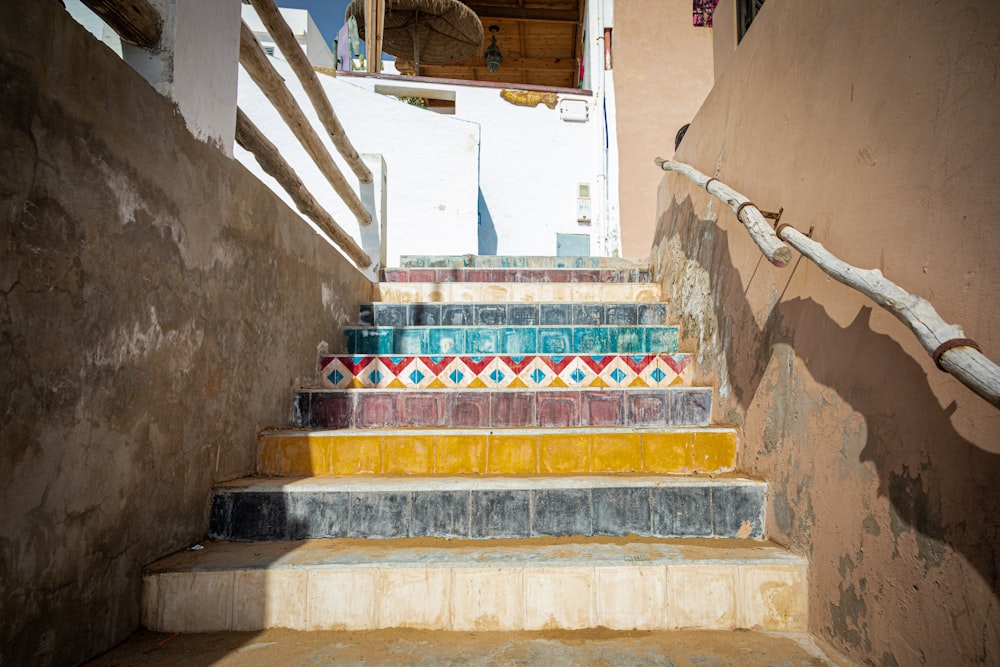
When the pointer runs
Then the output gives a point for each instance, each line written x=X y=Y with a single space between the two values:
x=705 y=596
x=522 y=292
x=703 y=450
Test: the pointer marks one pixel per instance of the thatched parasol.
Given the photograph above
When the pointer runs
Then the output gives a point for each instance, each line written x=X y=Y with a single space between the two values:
x=436 y=32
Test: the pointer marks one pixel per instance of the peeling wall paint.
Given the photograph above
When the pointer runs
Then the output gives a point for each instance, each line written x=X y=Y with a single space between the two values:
x=157 y=304
x=881 y=469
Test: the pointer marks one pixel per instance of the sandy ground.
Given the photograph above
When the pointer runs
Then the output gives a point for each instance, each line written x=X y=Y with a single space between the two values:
x=414 y=647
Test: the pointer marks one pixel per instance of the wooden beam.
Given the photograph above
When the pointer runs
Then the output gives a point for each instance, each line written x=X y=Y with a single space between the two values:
x=488 y=12
x=135 y=21
x=760 y=231
x=296 y=58
x=509 y=63
x=255 y=61
x=270 y=160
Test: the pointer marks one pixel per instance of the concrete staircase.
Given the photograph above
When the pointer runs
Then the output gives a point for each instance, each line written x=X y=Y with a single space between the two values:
x=508 y=443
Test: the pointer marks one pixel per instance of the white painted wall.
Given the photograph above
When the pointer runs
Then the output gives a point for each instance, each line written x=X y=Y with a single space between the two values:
x=303 y=27
x=432 y=163
x=83 y=15
x=531 y=162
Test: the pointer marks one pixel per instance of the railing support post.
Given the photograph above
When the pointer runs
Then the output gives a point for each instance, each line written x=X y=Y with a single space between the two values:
x=374 y=196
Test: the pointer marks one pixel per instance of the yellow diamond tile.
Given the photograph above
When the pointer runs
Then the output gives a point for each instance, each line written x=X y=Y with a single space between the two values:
x=714 y=451
x=513 y=454
x=564 y=452
x=295 y=455
x=460 y=454
x=666 y=452
x=614 y=452
x=356 y=454
x=408 y=455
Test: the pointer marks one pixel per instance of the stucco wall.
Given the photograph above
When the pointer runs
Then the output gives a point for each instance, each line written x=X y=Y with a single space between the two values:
x=663 y=71
x=876 y=124
x=157 y=307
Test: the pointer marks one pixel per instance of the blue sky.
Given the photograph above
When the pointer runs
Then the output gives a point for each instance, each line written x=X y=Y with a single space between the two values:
x=328 y=14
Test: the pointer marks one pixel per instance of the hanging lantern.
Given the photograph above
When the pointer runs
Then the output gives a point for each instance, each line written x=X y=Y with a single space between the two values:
x=493 y=55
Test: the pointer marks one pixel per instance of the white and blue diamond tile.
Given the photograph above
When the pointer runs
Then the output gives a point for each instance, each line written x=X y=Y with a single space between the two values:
x=416 y=374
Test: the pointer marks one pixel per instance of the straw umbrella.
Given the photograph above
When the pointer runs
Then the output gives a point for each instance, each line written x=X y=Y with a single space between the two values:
x=435 y=32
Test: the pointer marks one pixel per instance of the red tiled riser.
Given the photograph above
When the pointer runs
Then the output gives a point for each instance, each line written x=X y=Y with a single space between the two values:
x=483 y=408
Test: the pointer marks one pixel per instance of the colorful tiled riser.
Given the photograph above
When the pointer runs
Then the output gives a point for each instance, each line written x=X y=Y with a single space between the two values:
x=554 y=404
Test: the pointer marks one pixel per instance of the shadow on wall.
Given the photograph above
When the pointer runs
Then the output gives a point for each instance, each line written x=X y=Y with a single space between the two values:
x=938 y=483
x=487 y=232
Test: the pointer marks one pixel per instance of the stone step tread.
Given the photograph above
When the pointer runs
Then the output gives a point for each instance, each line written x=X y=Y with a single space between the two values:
x=314 y=484
x=436 y=584
x=521 y=261
x=497 y=451
x=406 y=648
x=553 y=340
x=513 y=314
x=503 y=408
x=519 y=292
x=516 y=275
x=549 y=552
x=342 y=371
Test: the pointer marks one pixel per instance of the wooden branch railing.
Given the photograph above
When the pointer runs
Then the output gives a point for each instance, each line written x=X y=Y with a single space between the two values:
x=296 y=58
x=255 y=61
x=945 y=343
x=270 y=160
x=135 y=21
x=774 y=250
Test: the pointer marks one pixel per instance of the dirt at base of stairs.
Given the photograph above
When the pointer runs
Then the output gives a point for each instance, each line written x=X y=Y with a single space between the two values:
x=595 y=647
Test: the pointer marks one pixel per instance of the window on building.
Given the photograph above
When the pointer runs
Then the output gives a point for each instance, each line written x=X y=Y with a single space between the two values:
x=746 y=11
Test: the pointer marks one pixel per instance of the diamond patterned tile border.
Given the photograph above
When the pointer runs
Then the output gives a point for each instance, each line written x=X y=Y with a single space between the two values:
x=506 y=372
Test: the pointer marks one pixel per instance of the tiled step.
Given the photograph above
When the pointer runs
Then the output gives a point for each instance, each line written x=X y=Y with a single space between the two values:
x=519 y=292
x=511 y=408
x=486 y=508
x=510 y=314
x=506 y=372
x=542 y=584
x=478 y=275
x=707 y=450
x=557 y=340
x=521 y=261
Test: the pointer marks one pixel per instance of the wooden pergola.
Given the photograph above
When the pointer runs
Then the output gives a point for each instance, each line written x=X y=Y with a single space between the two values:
x=541 y=43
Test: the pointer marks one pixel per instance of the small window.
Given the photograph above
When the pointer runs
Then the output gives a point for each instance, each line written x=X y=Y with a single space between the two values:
x=269 y=50
x=746 y=12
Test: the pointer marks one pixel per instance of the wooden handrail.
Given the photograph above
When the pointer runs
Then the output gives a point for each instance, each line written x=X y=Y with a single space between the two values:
x=945 y=343
x=135 y=21
x=255 y=61
x=774 y=250
x=270 y=160
x=296 y=58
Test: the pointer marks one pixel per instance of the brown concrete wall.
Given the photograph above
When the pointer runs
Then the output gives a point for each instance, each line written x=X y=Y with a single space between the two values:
x=157 y=307
x=876 y=125
x=662 y=71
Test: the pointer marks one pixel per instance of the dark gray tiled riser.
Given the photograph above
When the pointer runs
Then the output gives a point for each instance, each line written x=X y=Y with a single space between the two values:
x=512 y=340
x=520 y=261
x=710 y=509
x=511 y=314
x=517 y=275
x=488 y=408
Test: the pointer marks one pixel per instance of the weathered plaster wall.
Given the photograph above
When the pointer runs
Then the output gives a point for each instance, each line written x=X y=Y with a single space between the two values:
x=663 y=71
x=876 y=124
x=157 y=306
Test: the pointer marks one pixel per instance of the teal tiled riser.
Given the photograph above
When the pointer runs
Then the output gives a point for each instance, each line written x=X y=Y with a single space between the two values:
x=512 y=340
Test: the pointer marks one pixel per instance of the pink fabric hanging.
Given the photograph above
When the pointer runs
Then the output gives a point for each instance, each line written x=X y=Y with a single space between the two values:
x=702 y=16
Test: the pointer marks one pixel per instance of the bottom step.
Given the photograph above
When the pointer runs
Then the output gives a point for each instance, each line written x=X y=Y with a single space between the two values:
x=433 y=584
x=399 y=648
